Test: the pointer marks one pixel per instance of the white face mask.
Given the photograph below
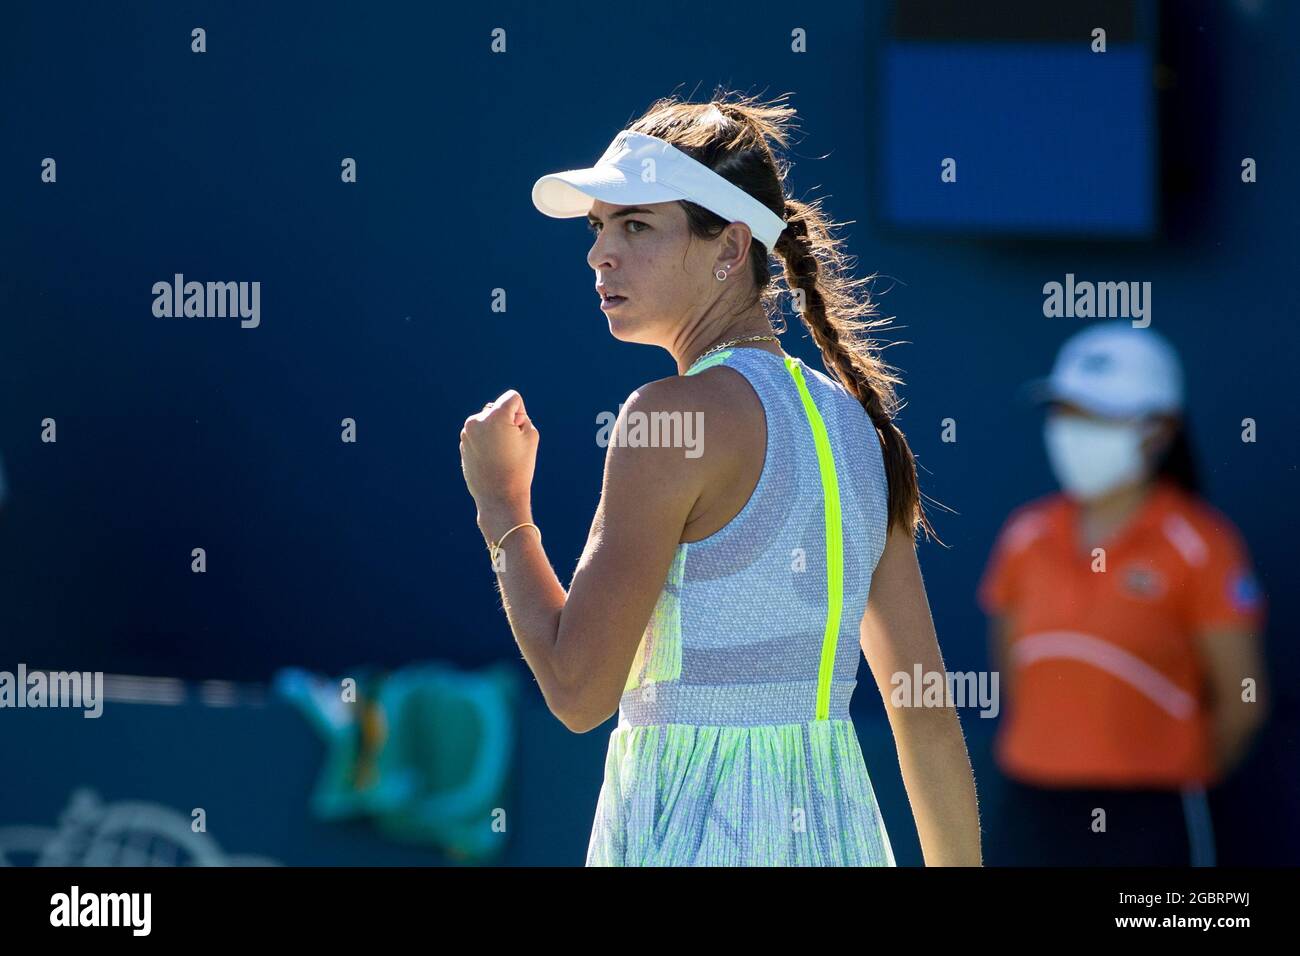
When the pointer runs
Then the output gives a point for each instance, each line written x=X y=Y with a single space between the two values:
x=1092 y=457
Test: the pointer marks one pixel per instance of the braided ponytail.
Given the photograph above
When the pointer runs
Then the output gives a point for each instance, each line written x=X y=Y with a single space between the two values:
x=815 y=268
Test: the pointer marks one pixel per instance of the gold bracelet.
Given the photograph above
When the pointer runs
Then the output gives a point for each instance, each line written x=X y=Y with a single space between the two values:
x=494 y=548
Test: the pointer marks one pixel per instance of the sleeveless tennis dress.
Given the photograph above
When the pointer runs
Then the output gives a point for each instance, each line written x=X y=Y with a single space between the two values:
x=734 y=745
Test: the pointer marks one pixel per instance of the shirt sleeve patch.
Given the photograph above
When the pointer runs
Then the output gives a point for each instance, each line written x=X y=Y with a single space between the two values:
x=1243 y=591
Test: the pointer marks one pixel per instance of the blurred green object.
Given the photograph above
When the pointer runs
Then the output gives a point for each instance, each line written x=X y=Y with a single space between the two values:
x=424 y=752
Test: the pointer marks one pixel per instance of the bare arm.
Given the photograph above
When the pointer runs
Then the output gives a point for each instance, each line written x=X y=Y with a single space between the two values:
x=898 y=633
x=1231 y=657
x=580 y=644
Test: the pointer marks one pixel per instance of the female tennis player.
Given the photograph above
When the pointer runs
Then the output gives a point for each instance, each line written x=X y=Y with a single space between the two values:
x=725 y=587
x=1126 y=622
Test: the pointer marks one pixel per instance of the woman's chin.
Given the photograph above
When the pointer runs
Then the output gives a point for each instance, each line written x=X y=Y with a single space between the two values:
x=626 y=329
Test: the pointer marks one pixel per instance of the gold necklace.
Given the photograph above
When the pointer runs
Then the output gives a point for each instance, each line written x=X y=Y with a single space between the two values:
x=730 y=342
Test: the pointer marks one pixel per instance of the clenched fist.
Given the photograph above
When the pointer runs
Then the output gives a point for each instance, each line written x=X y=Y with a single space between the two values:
x=498 y=451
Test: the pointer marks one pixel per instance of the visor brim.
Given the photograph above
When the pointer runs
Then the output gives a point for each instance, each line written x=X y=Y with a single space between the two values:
x=571 y=193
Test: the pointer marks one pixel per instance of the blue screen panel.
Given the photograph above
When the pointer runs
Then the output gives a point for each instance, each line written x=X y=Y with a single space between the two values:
x=1049 y=138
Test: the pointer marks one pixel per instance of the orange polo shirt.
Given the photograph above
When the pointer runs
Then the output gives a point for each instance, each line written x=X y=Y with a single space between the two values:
x=1108 y=684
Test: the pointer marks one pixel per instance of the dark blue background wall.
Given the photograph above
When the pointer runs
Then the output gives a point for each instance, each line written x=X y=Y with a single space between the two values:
x=183 y=433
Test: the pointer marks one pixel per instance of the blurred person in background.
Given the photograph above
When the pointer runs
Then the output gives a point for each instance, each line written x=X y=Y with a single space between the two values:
x=1125 y=622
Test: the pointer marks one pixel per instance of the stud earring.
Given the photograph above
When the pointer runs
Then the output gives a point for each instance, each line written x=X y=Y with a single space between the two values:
x=721 y=274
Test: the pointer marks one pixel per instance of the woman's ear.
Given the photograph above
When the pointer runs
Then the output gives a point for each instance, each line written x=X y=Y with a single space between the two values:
x=735 y=245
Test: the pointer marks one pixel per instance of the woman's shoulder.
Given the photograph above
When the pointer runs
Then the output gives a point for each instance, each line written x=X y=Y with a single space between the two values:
x=719 y=407
x=715 y=417
x=714 y=389
x=1198 y=523
x=1033 y=521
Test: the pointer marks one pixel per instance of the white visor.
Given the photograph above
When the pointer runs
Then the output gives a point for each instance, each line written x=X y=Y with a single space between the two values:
x=637 y=170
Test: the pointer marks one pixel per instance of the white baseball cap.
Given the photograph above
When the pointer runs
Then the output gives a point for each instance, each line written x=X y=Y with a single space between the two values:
x=639 y=169
x=1116 y=370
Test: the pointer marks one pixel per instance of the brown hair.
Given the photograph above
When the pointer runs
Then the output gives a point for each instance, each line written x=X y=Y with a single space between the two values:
x=731 y=135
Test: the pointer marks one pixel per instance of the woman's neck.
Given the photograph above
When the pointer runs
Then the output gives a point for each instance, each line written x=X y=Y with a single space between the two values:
x=704 y=340
x=1100 y=518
